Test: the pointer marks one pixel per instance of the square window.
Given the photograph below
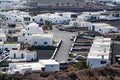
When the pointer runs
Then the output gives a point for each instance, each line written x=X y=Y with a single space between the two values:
x=45 y=42
x=35 y=42
x=103 y=62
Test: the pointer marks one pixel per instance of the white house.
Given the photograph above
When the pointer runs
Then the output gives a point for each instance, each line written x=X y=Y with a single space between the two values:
x=3 y=37
x=34 y=35
x=102 y=28
x=79 y=23
x=42 y=39
x=24 y=67
x=111 y=15
x=37 y=39
x=11 y=46
x=16 y=16
x=98 y=55
x=50 y=65
x=6 y=4
x=92 y=16
x=100 y=15
x=22 y=55
x=55 y=18
x=42 y=65
x=33 y=28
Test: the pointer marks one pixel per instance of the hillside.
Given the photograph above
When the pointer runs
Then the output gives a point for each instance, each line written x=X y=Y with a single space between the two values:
x=105 y=73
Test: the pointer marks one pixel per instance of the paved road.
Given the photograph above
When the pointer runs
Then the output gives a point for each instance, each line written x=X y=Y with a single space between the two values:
x=62 y=54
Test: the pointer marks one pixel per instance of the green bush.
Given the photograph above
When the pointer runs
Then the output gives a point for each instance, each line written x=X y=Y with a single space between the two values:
x=79 y=66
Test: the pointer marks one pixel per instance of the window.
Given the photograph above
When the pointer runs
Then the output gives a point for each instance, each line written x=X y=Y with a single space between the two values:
x=73 y=16
x=60 y=14
x=14 y=48
x=26 y=18
x=45 y=42
x=41 y=20
x=103 y=62
x=51 y=65
x=23 y=34
x=6 y=49
x=33 y=19
x=35 y=42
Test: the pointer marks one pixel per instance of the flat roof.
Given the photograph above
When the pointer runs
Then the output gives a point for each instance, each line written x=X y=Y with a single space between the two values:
x=27 y=51
x=2 y=35
x=48 y=62
x=34 y=65
x=100 y=49
x=103 y=25
x=8 y=44
x=42 y=35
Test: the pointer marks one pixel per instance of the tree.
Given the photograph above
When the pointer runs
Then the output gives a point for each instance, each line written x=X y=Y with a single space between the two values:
x=48 y=24
x=78 y=66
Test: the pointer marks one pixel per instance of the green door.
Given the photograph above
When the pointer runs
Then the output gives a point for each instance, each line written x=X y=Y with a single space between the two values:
x=14 y=55
x=22 y=56
x=93 y=28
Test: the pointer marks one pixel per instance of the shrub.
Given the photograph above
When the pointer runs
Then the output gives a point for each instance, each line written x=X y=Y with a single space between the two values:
x=44 y=74
x=78 y=66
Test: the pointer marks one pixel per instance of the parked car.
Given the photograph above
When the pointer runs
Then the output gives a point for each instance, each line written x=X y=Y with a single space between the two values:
x=80 y=57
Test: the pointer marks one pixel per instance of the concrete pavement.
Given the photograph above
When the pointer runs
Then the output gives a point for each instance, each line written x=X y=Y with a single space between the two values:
x=62 y=54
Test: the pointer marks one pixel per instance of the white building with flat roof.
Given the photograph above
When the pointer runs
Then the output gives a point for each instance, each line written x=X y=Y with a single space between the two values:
x=42 y=65
x=22 y=55
x=50 y=65
x=9 y=46
x=42 y=39
x=16 y=16
x=6 y=4
x=99 y=53
x=34 y=28
x=3 y=37
x=24 y=67
x=37 y=39
x=102 y=28
x=55 y=18
x=34 y=35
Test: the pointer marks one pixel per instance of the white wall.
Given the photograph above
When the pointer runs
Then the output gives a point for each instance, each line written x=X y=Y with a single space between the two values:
x=27 y=56
x=42 y=40
x=6 y=5
x=51 y=67
x=31 y=56
x=95 y=63
x=18 y=55
x=10 y=47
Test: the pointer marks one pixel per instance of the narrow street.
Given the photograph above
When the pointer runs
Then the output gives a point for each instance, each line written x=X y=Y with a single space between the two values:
x=62 y=54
